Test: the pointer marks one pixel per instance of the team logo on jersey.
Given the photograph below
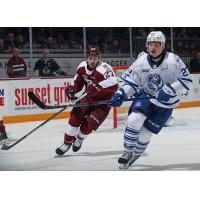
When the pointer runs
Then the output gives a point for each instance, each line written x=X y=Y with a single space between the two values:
x=155 y=82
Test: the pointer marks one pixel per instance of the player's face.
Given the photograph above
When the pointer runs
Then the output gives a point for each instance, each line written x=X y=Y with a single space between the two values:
x=155 y=48
x=93 y=61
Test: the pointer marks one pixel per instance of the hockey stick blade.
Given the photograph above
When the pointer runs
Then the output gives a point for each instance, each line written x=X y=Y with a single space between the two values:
x=7 y=147
x=34 y=98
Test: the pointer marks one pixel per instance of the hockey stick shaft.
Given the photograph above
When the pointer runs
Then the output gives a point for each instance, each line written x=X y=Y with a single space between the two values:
x=34 y=98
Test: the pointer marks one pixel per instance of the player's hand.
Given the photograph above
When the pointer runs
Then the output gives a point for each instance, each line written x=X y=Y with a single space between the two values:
x=70 y=92
x=92 y=88
x=166 y=93
x=118 y=98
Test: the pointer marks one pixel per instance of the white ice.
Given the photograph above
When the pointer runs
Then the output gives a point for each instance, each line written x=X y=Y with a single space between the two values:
x=174 y=148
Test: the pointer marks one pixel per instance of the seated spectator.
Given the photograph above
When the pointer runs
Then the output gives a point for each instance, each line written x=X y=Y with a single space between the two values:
x=16 y=67
x=179 y=48
x=50 y=43
x=184 y=33
x=115 y=47
x=1 y=45
x=141 y=32
x=46 y=66
x=105 y=47
x=9 y=43
x=20 y=42
x=195 y=62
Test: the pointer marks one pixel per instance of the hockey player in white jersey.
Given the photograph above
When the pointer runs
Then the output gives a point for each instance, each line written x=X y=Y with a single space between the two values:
x=155 y=79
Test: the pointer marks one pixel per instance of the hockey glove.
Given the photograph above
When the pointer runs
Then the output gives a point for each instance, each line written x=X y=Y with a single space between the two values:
x=166 y=93
x=70 y=92
x=118 y=98
x=92 y=88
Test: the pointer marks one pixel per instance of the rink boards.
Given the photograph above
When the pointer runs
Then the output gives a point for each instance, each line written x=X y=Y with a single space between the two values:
x=15 y=105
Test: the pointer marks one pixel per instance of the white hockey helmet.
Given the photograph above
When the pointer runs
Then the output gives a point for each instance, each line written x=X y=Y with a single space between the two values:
x=156 y=36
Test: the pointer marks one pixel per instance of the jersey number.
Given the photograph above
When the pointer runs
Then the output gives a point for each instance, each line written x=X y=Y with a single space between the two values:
x=108 y=74
x=184 y=71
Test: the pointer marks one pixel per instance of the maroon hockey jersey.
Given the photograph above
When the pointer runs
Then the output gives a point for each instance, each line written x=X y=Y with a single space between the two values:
x=16 y=67
x=102 y=76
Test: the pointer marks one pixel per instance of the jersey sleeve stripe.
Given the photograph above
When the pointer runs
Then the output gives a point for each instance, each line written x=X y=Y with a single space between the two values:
x=133 y=85
x=183 y=84
x=187 y=79
x=169 y=104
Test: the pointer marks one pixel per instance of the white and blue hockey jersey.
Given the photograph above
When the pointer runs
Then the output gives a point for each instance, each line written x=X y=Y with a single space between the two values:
x=144 y=75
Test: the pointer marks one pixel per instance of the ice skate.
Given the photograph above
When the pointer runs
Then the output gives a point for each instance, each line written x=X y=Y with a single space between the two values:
x=127 y=159
x=124 y=159
x=63 y=149
x=77 y=144
x=3 y=135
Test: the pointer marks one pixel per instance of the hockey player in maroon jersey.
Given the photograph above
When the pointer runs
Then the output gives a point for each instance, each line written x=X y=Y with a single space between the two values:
x=3 y=134
x=100 y=84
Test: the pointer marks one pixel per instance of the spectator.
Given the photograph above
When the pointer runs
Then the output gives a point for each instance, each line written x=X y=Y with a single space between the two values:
x=179 y=48
x=20 y=41
x=46 y=66
x=10 y=42
x=16 y=67
x=115 y=47
x=141 y=32
x=60 y=41
x=184 y=33
x=187 y=50
x=192 y=49
x=195 y=62
x=105 y=47
x=1 y=45
x=50 y=43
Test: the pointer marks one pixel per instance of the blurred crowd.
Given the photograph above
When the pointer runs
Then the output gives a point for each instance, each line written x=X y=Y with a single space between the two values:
x=110 y=40
x=115 y=40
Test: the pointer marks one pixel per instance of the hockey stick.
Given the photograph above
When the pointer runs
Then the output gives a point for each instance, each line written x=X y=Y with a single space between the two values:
x=7 y=147
x=34 y=98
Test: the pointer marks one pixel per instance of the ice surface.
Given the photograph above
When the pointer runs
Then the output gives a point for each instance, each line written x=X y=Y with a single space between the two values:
x=175 y=148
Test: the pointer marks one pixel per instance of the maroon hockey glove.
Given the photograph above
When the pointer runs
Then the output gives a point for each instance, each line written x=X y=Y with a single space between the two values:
x=70 y=92
x=92 y=88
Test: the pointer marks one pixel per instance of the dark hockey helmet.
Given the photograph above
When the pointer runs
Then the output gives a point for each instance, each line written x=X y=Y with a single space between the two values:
x=93 y=51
